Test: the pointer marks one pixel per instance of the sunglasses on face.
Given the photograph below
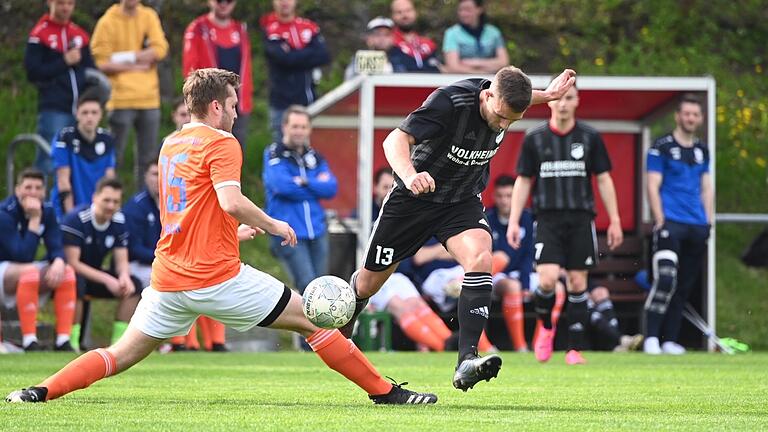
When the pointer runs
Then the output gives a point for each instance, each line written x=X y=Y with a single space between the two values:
x=225 y=1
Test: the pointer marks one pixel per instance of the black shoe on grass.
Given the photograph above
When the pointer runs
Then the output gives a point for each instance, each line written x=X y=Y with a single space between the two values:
x=32 y=394
x=474 y=369
x=402 y=396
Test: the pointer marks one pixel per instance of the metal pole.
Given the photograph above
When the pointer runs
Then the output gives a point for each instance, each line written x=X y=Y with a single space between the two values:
x=711 y=258
x=365 y=166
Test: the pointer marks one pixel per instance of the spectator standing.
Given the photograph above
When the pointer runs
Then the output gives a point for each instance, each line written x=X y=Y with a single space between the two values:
x=24 y=221
x=378 y=37
x=473 y=46
x=417 y=53
x=296 y=178
x=217 y=40
x=295 y=50
x=91 y=233
x=82 y=155
x=128 y=41
x=681 y=200
x=562 y=156
x=56 y=58
x=511 y=268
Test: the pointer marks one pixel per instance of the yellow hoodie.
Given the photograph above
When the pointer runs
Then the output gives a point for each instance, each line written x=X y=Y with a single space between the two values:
x=118 y=32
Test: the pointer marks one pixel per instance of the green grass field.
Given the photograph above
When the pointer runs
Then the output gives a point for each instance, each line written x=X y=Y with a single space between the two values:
x=295 y=391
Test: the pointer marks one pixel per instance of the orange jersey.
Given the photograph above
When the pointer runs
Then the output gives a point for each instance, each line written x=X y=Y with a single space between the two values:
x=198 y=244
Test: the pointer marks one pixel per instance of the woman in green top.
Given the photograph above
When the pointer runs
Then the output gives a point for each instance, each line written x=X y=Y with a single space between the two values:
x=472 y=45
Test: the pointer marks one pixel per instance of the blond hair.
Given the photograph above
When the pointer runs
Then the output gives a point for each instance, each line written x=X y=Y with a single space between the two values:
x=204 y=86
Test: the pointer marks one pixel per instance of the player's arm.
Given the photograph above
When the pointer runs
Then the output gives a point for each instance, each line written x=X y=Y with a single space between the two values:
x=237 y=205
x=608 y=194
x=520 y=193
x=556 y=89
x=653 y=188
x=429 y=253
x=66 y=201
x=120 y=255
x=397 y=149
x=92 y=274
x=708 y=197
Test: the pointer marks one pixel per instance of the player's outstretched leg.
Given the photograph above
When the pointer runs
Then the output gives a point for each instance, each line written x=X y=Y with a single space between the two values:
x=341 y=355
x=365 y=284
x=90 y=367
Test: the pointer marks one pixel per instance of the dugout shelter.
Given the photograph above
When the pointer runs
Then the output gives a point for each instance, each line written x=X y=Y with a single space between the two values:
x=351 y=122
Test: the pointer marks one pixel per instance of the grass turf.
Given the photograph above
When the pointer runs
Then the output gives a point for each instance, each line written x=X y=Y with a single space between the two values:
x=295 y=391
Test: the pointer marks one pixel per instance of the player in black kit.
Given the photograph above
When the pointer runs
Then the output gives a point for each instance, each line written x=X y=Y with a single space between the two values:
x=563 y=155
x=454 y=135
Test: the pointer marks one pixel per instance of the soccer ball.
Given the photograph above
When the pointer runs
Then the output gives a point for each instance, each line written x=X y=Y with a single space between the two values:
x=329 y=302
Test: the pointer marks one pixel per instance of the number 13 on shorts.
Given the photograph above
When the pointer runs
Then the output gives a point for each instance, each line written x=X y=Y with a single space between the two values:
x=384 y=255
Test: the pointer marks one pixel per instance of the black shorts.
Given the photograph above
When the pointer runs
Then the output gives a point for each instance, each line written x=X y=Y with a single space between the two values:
x=566 y=238
x=87 y=289
x=406 y=223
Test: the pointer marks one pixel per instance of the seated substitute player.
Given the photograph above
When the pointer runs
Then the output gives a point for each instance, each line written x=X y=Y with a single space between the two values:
x=82 y=155
x=604 y=329
x=24 y=221
x=197 y=269
x=563 y=155
x=512 y=267
x=91 y=233
x=440 y=155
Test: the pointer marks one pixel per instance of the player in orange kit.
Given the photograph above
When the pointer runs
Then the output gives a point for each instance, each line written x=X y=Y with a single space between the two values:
x=197 y=269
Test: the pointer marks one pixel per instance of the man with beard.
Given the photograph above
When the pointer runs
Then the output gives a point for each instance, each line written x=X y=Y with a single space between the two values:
x=681 y=201
x=417 y=53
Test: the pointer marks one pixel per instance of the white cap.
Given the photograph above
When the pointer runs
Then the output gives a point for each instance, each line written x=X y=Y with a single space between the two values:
x=380 y=21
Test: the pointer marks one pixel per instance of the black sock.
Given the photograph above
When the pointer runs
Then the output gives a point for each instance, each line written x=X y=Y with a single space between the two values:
x=474 y=303
x=543 y=303
x=578 y=315
x=603 y=318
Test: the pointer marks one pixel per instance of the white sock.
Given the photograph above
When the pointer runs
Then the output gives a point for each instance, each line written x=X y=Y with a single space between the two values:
x=27 y=339
x=61 y=339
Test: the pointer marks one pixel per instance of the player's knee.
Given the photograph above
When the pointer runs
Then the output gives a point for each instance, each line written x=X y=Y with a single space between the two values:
x=548 y=282
x=577 y=282
x=481 y=262
x=600 y=294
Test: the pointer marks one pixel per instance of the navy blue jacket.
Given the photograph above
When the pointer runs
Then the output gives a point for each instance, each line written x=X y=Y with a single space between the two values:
x=17 y=243
x=58 y=85
x=520 y=260
x=293 y=51
x=143 y=219
x=297 y=205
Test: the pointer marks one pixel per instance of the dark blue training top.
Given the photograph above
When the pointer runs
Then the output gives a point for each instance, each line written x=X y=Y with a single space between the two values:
x=520 y=260
x=95 y=242
x=681 y=168
x=143 y=219
x=87 y=160
x=17 y=243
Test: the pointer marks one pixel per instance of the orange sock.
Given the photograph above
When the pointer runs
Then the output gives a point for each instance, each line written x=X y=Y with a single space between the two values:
x=80 y=373
x=191 y=339
x=218 y=332
x=343 y=356
x=27 y=298
x=558 y=308
x=64 y=300
x=512 y=309
x=419 y=332
x=429 y=317
x=205 y=330
x=178 y=340
x=484 y=344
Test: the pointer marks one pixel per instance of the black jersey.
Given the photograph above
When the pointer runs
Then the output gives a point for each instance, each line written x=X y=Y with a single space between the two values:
x=563 y=166
x=453 y=142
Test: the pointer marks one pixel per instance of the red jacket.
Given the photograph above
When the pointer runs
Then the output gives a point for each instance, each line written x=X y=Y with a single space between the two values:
x=208 y=45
